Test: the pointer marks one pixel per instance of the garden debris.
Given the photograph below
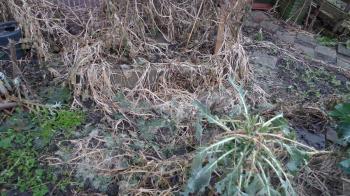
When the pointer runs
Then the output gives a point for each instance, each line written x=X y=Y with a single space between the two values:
x=321 y=176
x=92 y=61
x=141 y=68
x=146 y=86
x=7 y=105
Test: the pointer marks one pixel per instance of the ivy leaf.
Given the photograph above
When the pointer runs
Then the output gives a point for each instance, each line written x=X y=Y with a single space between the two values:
x=343 y=131
x=341 y=112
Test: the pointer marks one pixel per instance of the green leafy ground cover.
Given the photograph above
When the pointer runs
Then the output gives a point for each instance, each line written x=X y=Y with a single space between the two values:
x=24 y=138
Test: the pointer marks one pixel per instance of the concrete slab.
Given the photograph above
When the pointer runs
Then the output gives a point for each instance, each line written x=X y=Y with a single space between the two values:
x=264 y=60
x=286 y=37
x=343 y=61
x=250 y=23
x=259 y=16
x=343 y=50
x=306 y=40
x=269 y=26
x=326 y=54
x=310 y=52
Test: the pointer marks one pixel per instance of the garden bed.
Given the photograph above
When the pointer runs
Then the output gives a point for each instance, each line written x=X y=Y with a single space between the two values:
x=134 y=104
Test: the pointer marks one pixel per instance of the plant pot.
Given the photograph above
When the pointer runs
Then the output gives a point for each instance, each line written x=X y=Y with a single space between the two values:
x=10 y=31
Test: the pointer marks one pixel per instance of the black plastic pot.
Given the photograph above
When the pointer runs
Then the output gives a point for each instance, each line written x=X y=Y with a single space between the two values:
x=10 y=31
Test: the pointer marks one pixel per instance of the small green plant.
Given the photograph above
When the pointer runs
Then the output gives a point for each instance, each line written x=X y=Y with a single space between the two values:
x=24 y=137
x=253 y=156
x=314 y=78
x=259 y=36
x=327 y=41
x=62 y=121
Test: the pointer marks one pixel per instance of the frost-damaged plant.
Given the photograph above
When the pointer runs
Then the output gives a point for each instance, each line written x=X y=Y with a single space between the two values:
x=252 y=157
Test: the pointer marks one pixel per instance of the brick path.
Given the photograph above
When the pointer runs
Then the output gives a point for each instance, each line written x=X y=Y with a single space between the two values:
x=302 y=41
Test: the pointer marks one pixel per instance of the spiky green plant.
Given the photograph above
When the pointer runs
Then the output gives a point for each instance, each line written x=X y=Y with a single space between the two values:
x=252 y=157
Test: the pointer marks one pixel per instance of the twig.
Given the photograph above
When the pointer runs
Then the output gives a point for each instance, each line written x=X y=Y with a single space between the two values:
x=8 y=105
x=346 y=180
x=195 y=22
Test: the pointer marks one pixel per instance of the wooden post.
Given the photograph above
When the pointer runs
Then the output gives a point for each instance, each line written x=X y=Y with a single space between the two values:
x=221 y=28
x=226 y=8
x=13 y=56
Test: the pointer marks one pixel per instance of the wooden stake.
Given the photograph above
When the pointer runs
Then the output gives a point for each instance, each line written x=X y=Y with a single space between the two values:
x=228 y=7
x=194 y=24
x=13 y=56
x=221 y=28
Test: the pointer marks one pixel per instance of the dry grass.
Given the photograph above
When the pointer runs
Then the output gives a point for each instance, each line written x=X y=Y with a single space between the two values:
x=94 y=42
x=321 y=177
x=138 y=172
x=157 y=52
x=4 y=14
